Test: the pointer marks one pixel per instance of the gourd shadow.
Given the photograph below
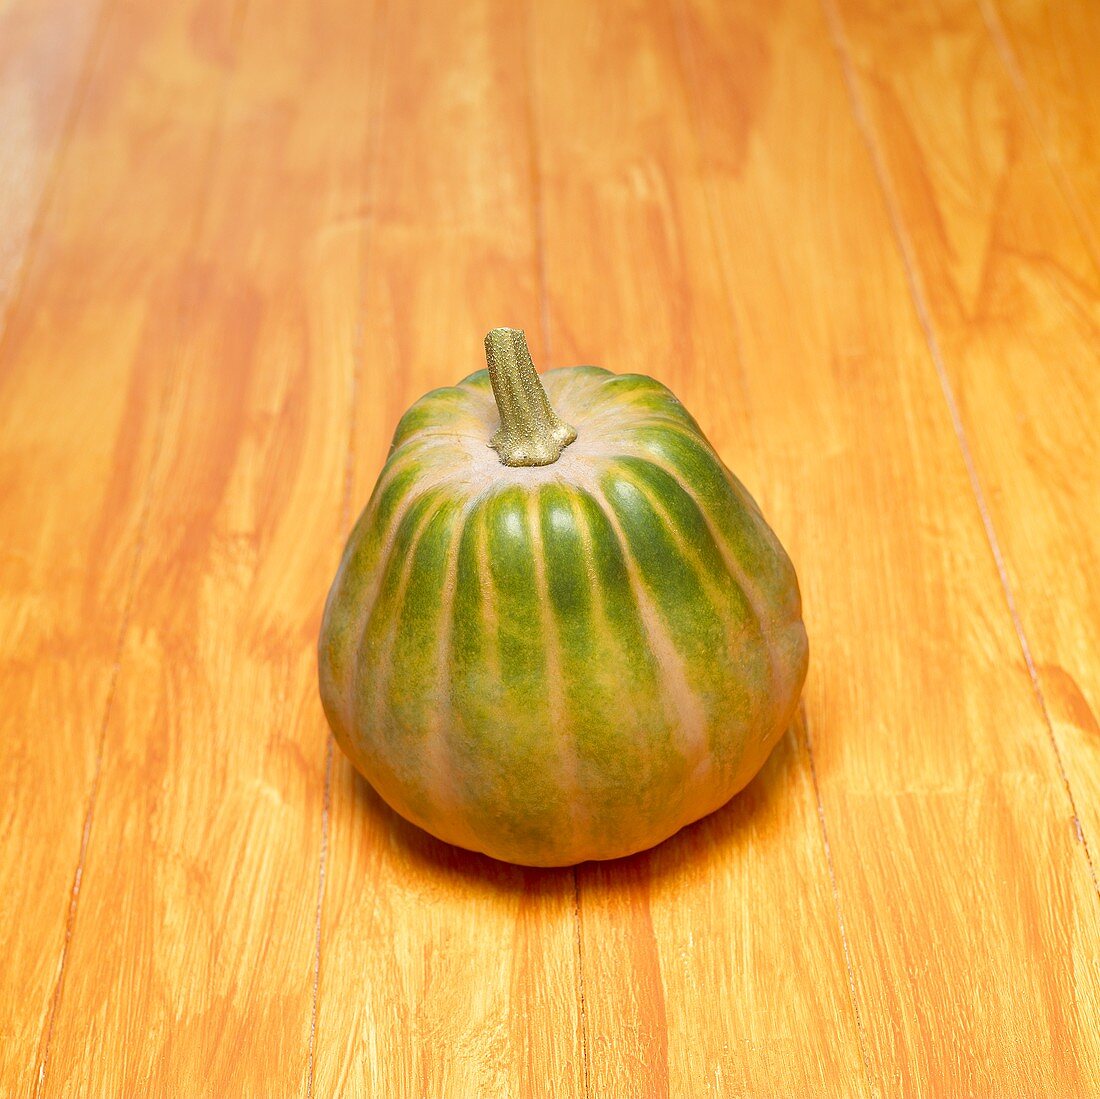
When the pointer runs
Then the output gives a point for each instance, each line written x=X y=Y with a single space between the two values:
x=753 y=819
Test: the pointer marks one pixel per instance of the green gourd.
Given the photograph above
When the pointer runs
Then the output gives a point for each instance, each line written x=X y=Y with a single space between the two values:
x=561 y=629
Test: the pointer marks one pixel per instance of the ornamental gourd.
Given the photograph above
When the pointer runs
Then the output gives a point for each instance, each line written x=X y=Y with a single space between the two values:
x=561 y=629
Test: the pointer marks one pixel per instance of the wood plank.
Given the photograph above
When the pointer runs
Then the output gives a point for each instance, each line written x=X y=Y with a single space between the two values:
x=442 y=972
x=262 y=233
x=82 y=388
x=969 y=905
x=191 y=964
x=1049 y=52
x=45 y=50
x=1013 y=299
x=714 y=964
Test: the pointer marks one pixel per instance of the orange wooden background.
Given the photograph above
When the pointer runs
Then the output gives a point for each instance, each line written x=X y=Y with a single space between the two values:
x=861 y=240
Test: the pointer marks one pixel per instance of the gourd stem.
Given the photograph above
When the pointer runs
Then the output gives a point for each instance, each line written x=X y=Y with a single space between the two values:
x=530 y=432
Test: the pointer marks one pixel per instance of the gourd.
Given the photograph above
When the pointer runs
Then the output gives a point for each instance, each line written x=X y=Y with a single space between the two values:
x=561 y=629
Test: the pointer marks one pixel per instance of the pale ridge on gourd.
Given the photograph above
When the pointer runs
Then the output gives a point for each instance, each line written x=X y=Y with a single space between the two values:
x=558 y=711
x=748 y=623
x=437 y=755
x=563 y=634
x=692 y=735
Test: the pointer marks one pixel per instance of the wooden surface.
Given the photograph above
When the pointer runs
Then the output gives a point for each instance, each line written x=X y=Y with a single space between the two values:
x=859 y=239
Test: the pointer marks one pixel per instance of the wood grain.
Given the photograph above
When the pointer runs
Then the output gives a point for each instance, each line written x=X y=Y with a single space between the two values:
x=660 y=943
x=240 y=237
x=955 y=805
x=195 y=934
x=442 y=973
x=1010 y=293
x=1049 y=53
x=82 y=387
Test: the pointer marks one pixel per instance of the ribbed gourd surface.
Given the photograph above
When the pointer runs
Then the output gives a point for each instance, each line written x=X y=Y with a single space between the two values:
x=567 y=662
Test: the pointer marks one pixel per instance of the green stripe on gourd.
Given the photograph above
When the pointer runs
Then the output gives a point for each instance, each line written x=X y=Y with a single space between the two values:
x=507 y=763
x=731 y=510
x=351 y=597
x=375 y=665
x=564 y=633
x=647 y=395
x=627 y=769
x=697 y=626
x=411 y=696
x=429 y=414
x=734 y=628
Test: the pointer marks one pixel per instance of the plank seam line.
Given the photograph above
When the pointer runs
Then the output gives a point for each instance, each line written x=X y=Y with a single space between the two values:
x=685 y=56
x=837 y=906
x=581 y=988
x=160 y=420
x=687 y=64
x=536 y=170
x=375 y=89
x=92 y=57
x=1008 y=59
x=326 y=796
x=45 y=198
x=916 y=292
x=326 y=805
x=101 y=742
